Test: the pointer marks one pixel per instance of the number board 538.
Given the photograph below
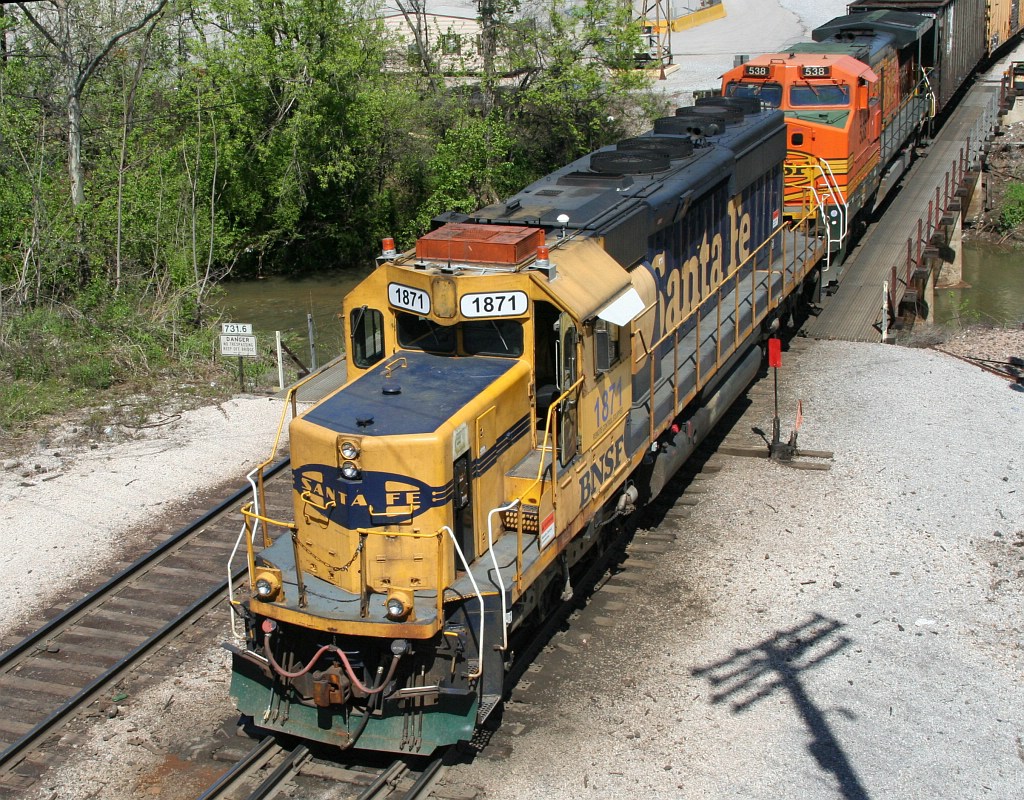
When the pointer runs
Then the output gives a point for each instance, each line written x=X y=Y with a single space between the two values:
x=409 y=298
x=493 y=304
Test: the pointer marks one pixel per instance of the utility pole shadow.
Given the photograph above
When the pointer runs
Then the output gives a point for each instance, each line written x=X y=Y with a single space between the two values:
x=776 y=664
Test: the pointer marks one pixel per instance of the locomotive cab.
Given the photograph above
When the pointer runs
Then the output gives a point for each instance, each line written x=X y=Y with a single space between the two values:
x=853 y=99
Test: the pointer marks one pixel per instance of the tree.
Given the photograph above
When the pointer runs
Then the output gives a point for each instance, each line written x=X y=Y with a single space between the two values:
x=81 y=36
x=415 y=14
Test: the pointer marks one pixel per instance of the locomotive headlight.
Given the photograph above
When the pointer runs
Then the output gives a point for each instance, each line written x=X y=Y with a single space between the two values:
x=350 y=470
x=349 y=451
x=267 y=585
x=398 y=605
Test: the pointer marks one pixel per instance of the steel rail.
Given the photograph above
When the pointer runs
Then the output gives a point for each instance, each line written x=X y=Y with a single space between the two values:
x=386 y=778
x=260 y=754
x=290 y=765
x=14 y=753
x=10 y=757
x=84 y=605
x=425 y=782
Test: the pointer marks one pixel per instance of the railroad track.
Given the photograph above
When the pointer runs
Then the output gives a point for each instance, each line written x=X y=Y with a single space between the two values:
x=77 y=657
x=270 y=769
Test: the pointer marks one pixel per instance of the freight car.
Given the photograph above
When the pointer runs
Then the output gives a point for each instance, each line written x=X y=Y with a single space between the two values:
x=861 y=95
x=523 y=377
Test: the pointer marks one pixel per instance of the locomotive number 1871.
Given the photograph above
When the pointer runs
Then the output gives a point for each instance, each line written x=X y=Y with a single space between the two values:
x=409 y=298
x=608 y=404
x=493 y=304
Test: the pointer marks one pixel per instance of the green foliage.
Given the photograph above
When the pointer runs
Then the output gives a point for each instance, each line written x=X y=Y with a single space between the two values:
x=470 y=168
x=1011 y=213
x=63 y=356
x=234 y=136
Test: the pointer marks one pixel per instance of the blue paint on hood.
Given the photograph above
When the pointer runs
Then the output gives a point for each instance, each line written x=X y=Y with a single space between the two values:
x=433 y=389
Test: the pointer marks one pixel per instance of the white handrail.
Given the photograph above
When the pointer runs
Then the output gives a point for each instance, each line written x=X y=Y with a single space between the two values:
x=828 y=231
x=836 y=196
x=497 y=571
x=234 y=550
x=479 y=596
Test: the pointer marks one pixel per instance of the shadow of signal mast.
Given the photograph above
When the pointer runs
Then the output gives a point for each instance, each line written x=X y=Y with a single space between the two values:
x=777 y=664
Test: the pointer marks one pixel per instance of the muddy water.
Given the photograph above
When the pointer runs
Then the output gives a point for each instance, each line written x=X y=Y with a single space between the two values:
x=995 y=275
x=996 y=295
x=281 y=304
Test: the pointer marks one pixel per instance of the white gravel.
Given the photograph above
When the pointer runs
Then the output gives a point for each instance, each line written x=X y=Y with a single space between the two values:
x=66 y=513
x=904 y=565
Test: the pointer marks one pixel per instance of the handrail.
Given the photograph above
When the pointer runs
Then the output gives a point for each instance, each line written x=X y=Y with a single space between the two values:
x=497 y=569
x=803 y=222
x=832 y=185
x=257 y=483
x=479 y=596
x=549 y=427
x=929 y=94
x=248 y=518
x=757 y=314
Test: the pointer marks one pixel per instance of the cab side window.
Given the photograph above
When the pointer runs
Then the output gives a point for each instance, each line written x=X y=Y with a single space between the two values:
x=367 y=325
x=606 y=345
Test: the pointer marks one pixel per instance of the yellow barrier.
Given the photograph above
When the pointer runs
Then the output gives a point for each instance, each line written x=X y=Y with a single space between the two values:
x=687 y=21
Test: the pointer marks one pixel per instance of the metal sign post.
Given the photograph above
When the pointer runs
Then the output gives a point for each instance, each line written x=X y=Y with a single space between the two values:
x=236 y=339
x=775 y=361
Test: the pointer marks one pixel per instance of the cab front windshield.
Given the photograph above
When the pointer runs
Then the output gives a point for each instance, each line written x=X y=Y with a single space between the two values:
x=819 y=94
x=489 y=337
x=768 y=94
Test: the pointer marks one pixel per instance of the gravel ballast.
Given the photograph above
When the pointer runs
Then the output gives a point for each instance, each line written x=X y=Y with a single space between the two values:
x=67 y=511
x=852 y=633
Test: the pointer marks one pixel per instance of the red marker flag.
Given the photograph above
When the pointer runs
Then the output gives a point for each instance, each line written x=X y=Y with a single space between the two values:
x=775 y=353
x=799 y=414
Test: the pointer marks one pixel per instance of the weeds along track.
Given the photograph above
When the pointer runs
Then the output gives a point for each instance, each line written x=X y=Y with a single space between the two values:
x=77 y=657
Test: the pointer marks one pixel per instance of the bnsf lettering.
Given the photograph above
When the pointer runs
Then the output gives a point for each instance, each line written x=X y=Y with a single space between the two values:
x=602 y=470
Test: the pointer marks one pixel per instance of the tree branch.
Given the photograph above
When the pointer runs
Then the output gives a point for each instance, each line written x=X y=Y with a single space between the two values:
x=90 y=68
x=64 y=55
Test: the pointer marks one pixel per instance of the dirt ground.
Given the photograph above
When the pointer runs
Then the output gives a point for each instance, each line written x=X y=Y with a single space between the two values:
x=1003 y=166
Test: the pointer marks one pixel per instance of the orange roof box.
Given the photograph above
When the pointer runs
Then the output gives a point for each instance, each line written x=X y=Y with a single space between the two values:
x=480 y=244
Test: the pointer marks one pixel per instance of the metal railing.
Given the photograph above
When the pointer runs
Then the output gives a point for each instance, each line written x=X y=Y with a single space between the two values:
x=951 y=186
x=793 y=270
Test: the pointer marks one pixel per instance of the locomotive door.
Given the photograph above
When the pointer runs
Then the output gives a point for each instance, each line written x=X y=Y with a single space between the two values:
x=464 y=529
x=568 y=372
x=488 y=480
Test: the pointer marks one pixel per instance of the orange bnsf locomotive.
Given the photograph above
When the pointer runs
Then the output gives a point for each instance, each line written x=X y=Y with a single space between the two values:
x=523 y=377
x=862 y=94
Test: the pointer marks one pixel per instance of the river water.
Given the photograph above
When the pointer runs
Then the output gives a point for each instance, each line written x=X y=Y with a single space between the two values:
x=995 y=275
x=281 y=304
x=995 y=296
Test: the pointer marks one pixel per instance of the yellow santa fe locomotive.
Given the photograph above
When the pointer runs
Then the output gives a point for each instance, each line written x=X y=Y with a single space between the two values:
x=524 y=376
